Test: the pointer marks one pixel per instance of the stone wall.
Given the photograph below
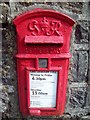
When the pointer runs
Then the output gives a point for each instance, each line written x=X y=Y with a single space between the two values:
x=78 y=92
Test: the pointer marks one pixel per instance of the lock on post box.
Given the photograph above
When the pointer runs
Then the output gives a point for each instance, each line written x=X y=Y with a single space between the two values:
x=43 y=41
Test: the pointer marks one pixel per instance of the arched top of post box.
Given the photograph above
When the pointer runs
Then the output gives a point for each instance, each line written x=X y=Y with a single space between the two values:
x=41 y=13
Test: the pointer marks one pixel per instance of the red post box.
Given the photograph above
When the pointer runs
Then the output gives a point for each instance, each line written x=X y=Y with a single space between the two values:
x=43 y=41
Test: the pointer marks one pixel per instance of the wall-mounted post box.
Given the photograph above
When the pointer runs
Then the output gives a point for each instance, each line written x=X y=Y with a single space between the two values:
x=43 y=41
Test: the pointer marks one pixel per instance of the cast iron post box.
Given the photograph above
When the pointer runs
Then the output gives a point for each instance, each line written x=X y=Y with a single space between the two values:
x=43 y=41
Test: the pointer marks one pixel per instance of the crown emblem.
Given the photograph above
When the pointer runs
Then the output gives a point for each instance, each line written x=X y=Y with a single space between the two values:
x=44 y=23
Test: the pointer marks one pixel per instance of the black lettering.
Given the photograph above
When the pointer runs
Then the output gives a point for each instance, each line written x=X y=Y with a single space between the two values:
x=41 y=93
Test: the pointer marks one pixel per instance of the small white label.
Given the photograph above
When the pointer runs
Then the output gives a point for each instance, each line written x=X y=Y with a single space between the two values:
x=43 y=88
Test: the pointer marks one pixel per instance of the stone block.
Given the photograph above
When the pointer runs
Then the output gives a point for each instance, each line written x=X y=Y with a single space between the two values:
x=85 y=117
x=76 y=102
x=79 y=66
x=81 y=47
x=75 y=7
x=82 y=32
x=88 y=98
x=82 y=65
x=77 y=95
x=19 y=7
x=4 y=9
x=4 y=99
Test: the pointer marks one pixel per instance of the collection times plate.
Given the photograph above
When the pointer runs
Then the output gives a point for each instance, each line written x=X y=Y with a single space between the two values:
x=43 y=88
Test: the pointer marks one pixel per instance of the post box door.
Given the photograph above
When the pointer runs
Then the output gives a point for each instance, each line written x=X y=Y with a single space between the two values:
x=46 y=85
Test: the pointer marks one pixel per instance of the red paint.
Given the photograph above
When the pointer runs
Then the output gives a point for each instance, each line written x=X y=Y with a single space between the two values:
x=42 y=34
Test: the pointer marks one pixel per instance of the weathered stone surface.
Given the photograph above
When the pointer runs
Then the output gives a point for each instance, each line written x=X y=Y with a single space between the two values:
x=82 y=32
x=85 y=12
x=18 y=8
x=88 y=98
x=81 y=47
x=73 y=7
x=4 y=99
x=76 y=100
x=63 y=117
x=85 y=118
x=78 y=95
x=4 y=12
x=80 y=66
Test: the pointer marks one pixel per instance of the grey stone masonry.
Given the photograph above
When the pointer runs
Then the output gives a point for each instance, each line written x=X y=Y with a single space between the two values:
x=78 y=91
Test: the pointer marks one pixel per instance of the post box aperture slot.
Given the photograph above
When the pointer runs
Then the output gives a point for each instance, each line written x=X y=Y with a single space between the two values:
x=43 y=62
x=43 y=40
x=43 y=89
